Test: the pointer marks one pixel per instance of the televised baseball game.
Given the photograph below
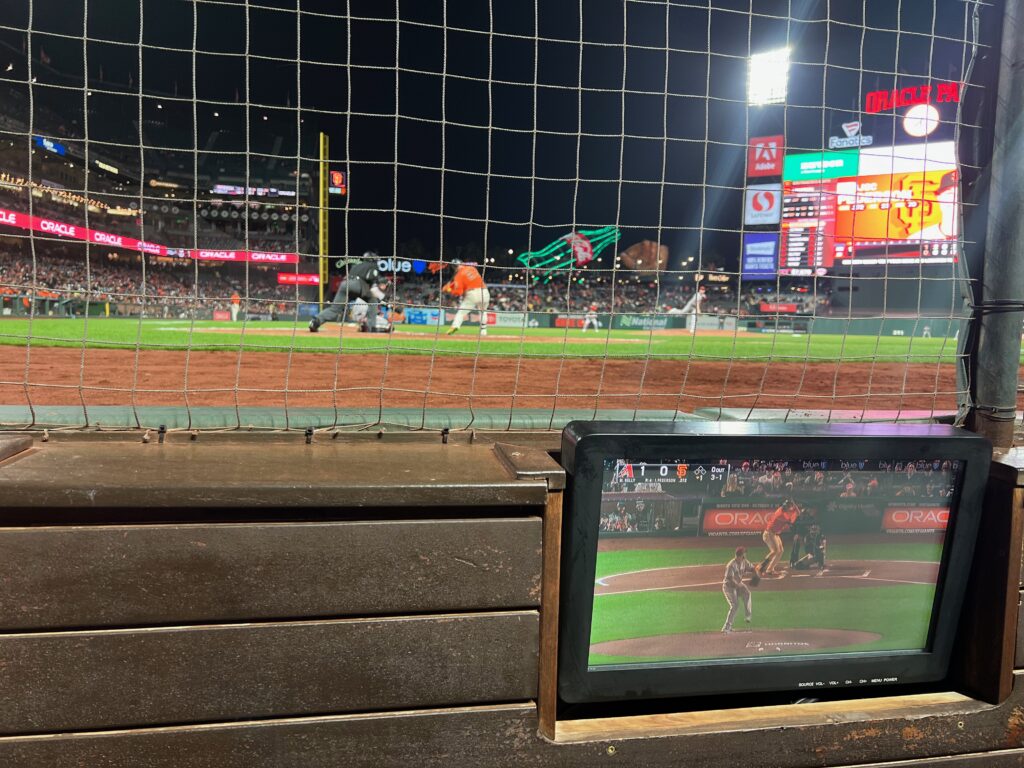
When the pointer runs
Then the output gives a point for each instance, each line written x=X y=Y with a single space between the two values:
x=738 y=559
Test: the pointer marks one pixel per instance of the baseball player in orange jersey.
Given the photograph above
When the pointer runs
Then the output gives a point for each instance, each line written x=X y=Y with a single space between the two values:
x=735 y=590
x=778 y=523
x=468 y=284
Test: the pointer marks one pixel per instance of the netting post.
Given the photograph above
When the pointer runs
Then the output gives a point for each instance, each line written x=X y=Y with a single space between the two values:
x=994 y=391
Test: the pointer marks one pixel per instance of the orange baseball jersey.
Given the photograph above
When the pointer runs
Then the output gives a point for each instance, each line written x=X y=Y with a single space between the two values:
x=780 y=520
x=466 y=279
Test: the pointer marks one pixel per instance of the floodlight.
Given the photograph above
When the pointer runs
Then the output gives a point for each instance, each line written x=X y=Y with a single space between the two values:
x=767 y=76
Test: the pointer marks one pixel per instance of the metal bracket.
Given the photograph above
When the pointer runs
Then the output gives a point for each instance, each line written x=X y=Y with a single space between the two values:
x=530 y=463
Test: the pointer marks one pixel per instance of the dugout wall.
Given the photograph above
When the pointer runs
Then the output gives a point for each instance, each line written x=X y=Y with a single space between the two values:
x=379 y=601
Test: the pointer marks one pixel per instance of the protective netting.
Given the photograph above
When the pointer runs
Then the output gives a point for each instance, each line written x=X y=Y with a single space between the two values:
x=665 y=208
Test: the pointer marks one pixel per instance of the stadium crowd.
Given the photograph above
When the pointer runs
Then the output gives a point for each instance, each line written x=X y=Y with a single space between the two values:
x=64 y=283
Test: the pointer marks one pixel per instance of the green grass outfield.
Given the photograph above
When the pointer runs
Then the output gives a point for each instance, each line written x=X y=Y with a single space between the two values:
x=899 y=613
x=154 y=334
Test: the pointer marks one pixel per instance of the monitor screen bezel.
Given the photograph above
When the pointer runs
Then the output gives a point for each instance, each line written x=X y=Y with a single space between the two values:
x=586 y=446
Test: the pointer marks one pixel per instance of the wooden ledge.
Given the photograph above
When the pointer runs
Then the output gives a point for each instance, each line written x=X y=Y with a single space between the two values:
x=756 y=718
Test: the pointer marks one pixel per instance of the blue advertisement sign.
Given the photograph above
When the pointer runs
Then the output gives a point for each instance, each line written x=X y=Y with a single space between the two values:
x=422 y=316
x=50 y=146
x=760 y=256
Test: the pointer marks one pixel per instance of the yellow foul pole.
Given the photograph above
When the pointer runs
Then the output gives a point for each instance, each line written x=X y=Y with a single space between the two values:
x=323 y=215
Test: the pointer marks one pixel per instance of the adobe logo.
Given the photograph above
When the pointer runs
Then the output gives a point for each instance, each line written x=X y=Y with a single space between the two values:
x=764 y=156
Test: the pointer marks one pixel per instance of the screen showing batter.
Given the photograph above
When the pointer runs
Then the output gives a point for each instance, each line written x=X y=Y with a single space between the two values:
x=728 y=559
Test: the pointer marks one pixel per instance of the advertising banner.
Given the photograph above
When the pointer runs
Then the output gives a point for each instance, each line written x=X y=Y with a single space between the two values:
x=820 y=165
x=422 y=316
x=727 y=521
x=64 y=229
x=780 y=307
x=641 y=322
x=764 y=156
x=297 y=278
x=760 y=256
x=508 y=319
x=763 y=204
x=915 y=519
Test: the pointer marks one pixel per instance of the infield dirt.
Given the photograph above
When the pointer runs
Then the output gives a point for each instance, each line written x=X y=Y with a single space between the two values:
x=60 y=376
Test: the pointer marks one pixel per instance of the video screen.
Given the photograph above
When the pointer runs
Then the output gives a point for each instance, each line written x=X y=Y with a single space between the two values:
x=883 y=205
x=745 y=558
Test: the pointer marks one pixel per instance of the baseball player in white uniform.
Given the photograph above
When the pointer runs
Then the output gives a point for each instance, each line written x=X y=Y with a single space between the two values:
x=694 y=306
x=735 y=590
x=590 y=319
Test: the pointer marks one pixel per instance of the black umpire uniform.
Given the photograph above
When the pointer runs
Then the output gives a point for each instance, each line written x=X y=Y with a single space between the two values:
x=360 y=282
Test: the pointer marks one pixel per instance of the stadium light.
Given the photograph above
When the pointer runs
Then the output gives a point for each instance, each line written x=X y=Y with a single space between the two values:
x=767 y=75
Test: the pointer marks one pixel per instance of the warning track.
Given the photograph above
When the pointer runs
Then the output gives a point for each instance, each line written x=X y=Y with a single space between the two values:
x=840 y=574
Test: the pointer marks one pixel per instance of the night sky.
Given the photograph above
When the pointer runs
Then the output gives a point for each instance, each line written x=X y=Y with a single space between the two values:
x=515 y=122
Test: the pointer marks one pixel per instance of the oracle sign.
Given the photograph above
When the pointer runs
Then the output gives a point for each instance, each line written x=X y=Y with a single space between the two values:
x=915 y=519
x=57 y=228
x=764 y=156
x=107 y=239
x=273 y=258
x=726 y=521
x=882 y=101
x=24 y=221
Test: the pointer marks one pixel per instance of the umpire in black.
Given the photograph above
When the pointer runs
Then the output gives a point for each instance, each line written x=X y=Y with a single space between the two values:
x=359 y=282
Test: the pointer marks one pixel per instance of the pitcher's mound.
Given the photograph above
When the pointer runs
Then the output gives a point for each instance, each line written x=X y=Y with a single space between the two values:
x=740 y=642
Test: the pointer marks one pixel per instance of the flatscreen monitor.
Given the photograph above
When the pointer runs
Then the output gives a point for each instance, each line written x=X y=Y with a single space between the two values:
x=709 y=558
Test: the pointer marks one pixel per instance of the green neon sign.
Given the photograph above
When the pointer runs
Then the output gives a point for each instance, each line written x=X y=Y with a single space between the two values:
x=572 y=250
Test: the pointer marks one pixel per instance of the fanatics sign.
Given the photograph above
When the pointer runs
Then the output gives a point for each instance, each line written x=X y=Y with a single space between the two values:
x=764 y=156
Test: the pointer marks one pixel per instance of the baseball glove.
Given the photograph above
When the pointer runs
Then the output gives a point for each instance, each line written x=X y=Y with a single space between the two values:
x=754 y=579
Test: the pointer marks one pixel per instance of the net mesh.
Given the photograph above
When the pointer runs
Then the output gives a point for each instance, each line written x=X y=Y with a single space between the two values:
x=760 y=209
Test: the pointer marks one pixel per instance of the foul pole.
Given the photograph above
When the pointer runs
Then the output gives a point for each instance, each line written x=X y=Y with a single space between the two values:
x=323 y=210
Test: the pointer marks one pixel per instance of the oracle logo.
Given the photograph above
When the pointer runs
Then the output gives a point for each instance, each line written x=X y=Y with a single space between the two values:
x=277 y=258
x=106 y=237
x=224 y=255
x=763 y=201
x=6 y=217
x=735 y=520
x=880 y=101
x=57 y=228
x=924 y=519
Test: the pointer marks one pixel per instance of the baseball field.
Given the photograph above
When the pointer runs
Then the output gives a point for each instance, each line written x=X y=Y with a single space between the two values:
x=660 y=599
x=111 y=361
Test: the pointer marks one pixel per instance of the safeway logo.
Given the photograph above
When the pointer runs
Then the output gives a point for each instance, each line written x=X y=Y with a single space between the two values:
x=721 y=522
x=764 y=156
x=45 y=225
x=851 y=129
x=763 y=201
x=763 y=204
x=911 y=519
